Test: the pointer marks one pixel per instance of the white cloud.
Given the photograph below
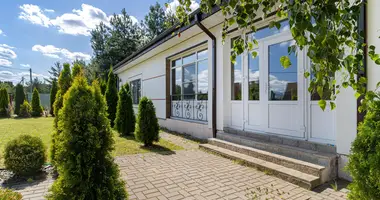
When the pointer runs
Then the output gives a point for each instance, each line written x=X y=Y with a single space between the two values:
x=34 y=14
x=16 y=77
x=6 y=54
x=49 y=10
x=2 y=33
x=25 y=65
x=78 y=22
x=172 y=6
x=4 y=62
x=60 y=53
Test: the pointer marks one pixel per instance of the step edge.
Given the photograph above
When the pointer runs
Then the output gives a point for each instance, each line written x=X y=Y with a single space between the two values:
x=323 y=155
x=293 y=160
x=309 y=184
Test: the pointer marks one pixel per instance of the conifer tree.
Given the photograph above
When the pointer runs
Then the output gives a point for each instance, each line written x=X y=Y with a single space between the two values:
x=111 y=96
x=125 y=116
x=4 y=101
x=84 y=161
x=20 y=97
x=36 y=104
x=53 y=94
x=147 y=129
x=64 y=83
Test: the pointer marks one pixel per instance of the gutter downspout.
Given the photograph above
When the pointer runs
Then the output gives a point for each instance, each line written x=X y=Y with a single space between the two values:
x=213 y=103
x=362 y=25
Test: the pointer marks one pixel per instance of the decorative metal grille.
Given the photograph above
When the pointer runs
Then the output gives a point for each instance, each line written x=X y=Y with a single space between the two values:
x=189 y=108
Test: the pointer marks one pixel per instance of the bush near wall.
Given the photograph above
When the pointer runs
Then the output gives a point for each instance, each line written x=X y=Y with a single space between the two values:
x=7 y=194
x=111 y=96
x=364 y=161
x=125 y=121
x=83 y=158
x=147 y=129
x=24 y=155
x=25 y=110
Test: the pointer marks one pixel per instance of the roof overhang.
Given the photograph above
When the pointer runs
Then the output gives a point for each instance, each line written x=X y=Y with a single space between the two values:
x=170 y=38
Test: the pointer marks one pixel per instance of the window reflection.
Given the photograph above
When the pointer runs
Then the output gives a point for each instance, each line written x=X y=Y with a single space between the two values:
x=282 y=82
x=253 y=79
x=202 y=80
x=236 y=79
x=189 y=73
x=189 y=59
x=266 y=32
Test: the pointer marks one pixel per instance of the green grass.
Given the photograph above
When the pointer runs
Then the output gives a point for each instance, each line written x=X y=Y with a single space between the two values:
x=43 y=128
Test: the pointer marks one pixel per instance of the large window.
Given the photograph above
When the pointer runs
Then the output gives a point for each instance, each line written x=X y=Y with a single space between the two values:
x=190 y=76
x=136 y=91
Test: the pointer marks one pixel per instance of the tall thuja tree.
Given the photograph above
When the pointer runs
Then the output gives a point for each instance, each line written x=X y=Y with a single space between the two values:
x=147 y=129
x=53 y=94
x=54 y=72
x=36 y=104
x=84 y=158
x=77 y=70
x=64 y=83
x=4 y=101
x=125 y=116
x=20 y=97
x=111 y=96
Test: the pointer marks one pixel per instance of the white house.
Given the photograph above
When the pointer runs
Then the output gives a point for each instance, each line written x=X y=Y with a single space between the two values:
x=254 y=102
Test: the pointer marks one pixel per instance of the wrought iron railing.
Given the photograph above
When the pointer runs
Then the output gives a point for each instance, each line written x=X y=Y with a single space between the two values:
x=188 y=107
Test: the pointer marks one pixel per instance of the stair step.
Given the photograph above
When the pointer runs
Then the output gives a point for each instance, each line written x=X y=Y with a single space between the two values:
x=302 y=166
x=293 y=176
x=328 y=160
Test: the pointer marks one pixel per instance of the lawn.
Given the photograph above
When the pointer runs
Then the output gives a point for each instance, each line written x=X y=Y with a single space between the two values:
x=43 y=128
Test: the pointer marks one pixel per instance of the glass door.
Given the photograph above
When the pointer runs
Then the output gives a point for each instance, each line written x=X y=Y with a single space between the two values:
x=284 y=88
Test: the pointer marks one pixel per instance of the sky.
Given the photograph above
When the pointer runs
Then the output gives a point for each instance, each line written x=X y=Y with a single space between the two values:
x=37 y=33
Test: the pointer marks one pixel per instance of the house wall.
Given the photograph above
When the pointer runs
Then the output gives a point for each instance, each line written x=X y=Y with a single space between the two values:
x=152 y=71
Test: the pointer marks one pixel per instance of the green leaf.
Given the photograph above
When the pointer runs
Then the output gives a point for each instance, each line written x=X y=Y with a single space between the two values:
x=332 y=105
x=285 y=62
x=254 y=54
x=306 y=74
x=231 y=21
x=357 y=95
x=345 y=84
x=322 y=104
x=377 y=61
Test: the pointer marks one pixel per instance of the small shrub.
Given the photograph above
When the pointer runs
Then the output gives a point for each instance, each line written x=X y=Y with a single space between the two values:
x=364 y=161
x=7 y=194
x=24 y=155
x=20 y=98
x=147 y=129
x=125 y=117
x=83 y=156
x=36 y=104
x=111 y=96
x=25 y=110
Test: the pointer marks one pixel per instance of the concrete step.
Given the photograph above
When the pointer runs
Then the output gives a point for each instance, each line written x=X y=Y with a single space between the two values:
x=326 y=160
x=293 y=176
x=302 y=166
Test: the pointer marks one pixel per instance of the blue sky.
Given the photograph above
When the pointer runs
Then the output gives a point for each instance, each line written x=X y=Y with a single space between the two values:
x=37 y=33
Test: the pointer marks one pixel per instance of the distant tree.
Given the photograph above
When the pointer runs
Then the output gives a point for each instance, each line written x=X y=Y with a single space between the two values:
x=42 y=87
x=111 y=96
x=36 y=104
x=147 y=128
x=53 y=94
x=111 y=44
x=125 y=116
x=20 y=97
x=4 y=102
x=54 y=72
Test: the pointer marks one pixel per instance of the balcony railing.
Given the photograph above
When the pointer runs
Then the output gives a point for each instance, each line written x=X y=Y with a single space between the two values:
x=188 y=107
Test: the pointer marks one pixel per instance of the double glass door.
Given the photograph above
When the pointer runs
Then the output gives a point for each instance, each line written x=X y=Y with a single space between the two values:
x=272 y=97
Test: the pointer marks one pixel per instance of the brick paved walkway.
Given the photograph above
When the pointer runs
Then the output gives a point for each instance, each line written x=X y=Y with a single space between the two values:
x=194 y=174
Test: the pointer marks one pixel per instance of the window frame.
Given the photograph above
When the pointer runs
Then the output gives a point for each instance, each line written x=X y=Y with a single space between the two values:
x=131 y=87
x=182 y=66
